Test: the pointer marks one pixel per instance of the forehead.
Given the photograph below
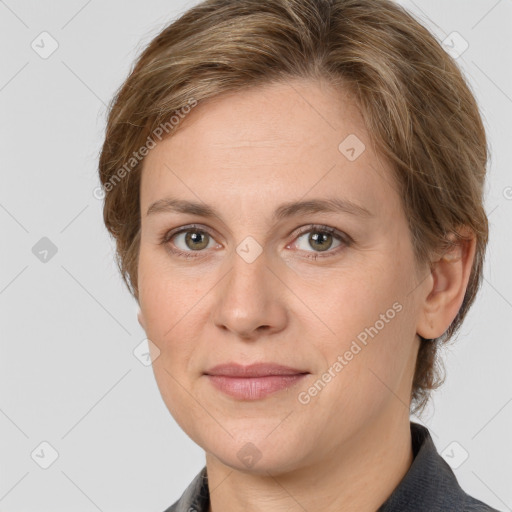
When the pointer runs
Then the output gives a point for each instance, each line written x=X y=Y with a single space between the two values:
x=299 y=113
x=283 y=141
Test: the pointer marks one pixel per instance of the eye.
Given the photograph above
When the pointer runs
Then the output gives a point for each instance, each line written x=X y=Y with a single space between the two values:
x=191 y=241
x=187 y=241
x=321 y=238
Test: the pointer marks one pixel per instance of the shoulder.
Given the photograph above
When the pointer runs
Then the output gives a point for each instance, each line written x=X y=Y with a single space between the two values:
x=430 y=485
x=473 y=505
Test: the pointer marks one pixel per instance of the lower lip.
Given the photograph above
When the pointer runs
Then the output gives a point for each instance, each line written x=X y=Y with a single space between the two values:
x=253 y=388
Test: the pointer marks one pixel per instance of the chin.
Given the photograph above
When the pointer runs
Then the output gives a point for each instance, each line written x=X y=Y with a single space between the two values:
x=257 y=457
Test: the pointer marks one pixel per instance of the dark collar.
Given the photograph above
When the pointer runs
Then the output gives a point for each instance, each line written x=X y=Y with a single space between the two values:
x=428 y=486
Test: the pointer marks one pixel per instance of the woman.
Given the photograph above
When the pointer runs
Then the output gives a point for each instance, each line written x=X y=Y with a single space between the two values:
x=295 y=189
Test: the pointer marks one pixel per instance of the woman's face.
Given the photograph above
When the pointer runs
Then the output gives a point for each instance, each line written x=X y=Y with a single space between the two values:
x=243 y=285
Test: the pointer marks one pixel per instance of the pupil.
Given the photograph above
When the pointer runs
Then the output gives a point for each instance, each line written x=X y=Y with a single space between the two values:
x=195 y=237
x=323 y=236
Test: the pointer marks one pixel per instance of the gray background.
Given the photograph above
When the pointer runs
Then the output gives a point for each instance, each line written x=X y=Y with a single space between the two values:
x=68 y=375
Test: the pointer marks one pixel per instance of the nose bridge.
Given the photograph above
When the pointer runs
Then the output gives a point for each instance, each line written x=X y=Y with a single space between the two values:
x=248 y=277
x=248 y=299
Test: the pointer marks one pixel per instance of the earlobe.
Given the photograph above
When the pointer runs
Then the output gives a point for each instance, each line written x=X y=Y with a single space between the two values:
x=449 y=279
x=140 y=318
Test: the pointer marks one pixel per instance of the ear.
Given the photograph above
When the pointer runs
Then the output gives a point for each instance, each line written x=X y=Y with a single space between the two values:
x=446 y=287
x=140 y=318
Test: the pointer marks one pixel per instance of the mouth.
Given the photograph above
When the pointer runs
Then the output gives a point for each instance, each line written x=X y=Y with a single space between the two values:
x=255 y=381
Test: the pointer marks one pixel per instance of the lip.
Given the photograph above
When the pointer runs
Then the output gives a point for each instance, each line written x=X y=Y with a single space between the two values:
x=253 y=370
x=255 y=381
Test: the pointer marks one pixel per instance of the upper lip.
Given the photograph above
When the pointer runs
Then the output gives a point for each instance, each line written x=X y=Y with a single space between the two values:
x=253 y=370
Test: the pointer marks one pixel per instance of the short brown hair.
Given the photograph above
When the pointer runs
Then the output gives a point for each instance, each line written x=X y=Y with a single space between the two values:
x=418 y=109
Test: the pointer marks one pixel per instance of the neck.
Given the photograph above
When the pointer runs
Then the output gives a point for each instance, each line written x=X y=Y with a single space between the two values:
x=360 y=475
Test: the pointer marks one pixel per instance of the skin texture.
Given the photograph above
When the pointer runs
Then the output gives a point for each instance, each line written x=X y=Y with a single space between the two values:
x=245 y=154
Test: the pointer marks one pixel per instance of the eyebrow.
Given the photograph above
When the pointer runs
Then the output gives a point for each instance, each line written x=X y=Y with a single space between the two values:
x=285 y=210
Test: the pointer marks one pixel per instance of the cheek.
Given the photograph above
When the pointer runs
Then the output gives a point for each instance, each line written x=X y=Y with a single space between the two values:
x=187 y=412
x=174 y=314
x=372 y=317
x=359 y=303
x=369 y=375
x=164 y=295
x=166 y=299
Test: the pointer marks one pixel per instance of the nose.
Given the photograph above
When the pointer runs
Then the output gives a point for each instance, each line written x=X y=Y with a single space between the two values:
x=250 y=300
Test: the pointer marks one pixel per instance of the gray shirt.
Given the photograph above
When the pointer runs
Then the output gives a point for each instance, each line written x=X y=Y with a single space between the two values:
x=428 y=486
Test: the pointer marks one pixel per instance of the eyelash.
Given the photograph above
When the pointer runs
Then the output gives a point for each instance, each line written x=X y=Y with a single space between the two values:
x=318 y=228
